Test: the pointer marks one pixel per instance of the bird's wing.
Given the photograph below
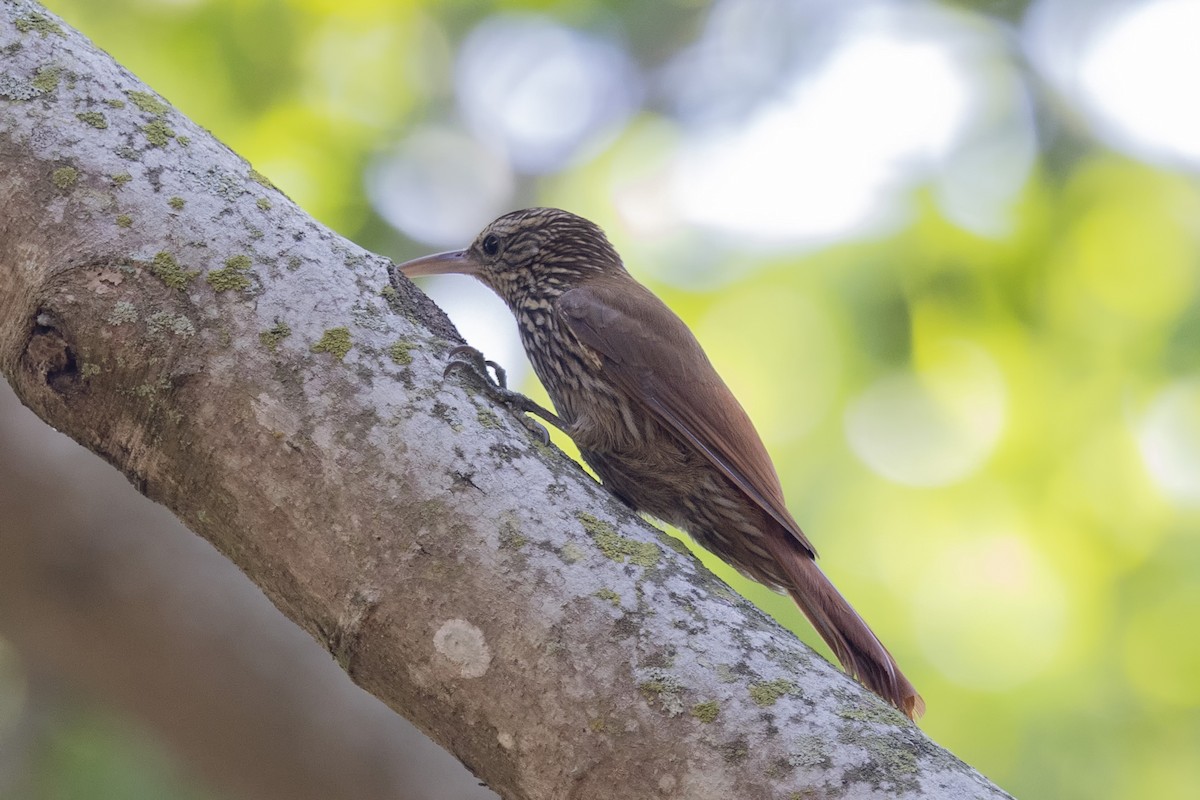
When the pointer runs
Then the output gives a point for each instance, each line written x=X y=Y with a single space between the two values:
x=651 y=354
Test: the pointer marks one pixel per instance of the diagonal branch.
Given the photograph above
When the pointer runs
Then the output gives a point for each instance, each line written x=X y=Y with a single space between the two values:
x=259 y=375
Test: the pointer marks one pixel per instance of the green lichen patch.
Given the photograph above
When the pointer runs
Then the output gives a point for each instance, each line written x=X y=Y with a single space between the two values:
x=241 y=262
x=294 y=263
x=891 y=756
x=158 y=133
x=148 y=103
x=617 y=547
x=120 y=179
x=511 y=537
x=124 y=221
x=93 y=118
x=46 y=79
x=808 y=751
x=263 y=203
x=570 y=553
x=664 y=689
x=707 y=711
x=726 y=673
x=261 y=179
x=184 y=141
x=389 y=293
x=488 y=419
x=766 y=693
x=355 y=260
x=149 y=388
x=166 y=322
x=65 y=177
x=38 y=23
x=122 y=313
x=272 y=336
x=16 y=90
x=610 y=596
x=167 y=269
x=881 y=714
x=114 y=103
x=401 y=353
x=369 y=316
x=234 y=276
x=335 y=341
x=177 y=203
x=891 y=761
x=89 y=370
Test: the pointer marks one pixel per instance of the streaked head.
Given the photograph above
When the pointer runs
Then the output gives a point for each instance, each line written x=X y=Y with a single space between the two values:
x=535 y=251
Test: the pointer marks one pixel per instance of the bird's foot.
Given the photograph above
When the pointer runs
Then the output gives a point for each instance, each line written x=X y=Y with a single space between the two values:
x=470 y=364
x=465 y=357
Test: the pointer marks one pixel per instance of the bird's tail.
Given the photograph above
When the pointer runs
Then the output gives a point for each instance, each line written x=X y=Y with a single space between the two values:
x=861 y=653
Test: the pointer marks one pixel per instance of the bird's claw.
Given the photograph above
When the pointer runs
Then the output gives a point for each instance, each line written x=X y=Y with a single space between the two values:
x=535 y=427
x=470 y=363
x=465 y=355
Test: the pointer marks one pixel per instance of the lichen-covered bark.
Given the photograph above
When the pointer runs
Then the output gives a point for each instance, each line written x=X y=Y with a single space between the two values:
x=104 y=591
x=260 y=376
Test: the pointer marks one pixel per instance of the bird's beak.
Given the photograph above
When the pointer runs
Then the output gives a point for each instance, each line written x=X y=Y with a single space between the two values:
x=452 y=261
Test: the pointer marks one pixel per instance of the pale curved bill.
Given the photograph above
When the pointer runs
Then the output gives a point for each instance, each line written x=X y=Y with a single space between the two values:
x=452 y=261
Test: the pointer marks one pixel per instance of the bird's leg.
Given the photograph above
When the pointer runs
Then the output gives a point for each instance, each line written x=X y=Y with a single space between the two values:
x=470 y=363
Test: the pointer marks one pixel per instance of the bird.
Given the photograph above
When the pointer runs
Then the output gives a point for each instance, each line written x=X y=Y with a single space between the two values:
x=635 y=391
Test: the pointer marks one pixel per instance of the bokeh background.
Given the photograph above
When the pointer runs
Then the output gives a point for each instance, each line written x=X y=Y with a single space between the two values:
x=945 y=253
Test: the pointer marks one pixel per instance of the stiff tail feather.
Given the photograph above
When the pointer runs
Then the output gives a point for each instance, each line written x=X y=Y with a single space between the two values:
x=862 y=654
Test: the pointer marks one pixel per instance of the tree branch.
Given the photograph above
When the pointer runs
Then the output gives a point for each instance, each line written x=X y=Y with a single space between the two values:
x=242 y=365
x=154 y=620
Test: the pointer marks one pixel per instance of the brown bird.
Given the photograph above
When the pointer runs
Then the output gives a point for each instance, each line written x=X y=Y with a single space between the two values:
x=637 y=394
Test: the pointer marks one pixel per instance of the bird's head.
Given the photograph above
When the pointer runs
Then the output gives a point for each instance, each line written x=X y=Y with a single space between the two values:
x=536 y=252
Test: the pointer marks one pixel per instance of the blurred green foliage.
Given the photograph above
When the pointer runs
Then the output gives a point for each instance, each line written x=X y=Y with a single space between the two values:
x=1044 y=601
x=101 y=757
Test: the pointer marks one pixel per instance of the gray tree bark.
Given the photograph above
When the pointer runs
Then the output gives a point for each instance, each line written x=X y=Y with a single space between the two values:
x=260 y=376
x=104 y=591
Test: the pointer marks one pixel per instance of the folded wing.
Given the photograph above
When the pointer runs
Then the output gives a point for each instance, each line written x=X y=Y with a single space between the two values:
x=651 y=354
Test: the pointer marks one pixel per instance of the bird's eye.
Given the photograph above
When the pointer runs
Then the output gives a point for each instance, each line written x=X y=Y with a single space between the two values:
x=491 y=244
